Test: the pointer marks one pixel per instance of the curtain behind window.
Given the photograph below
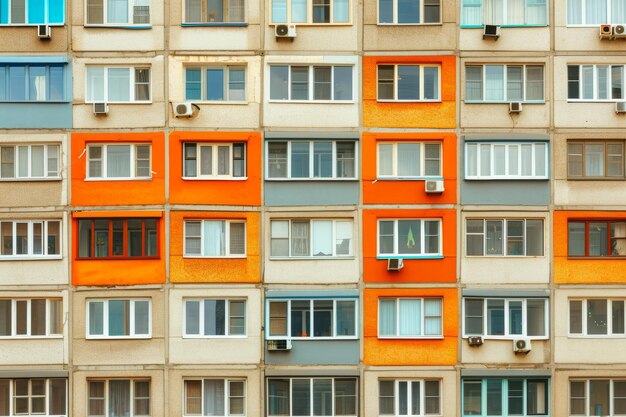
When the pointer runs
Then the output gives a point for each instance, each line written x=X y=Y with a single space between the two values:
x=119 y=398
x=214 y=238
x=410 y=315
x=117 y=11
x=387 y=317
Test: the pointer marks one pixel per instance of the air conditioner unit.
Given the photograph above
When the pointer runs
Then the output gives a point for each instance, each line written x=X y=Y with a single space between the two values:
x=100 y=108
x=433 y=186
x=44 y=31
x=515 y=107
x=282 y=344
x=619 y=31
x=620 y=107
x=185 y=109
x=285 y=31
x=521 y=345
x=491 y=32
x=606 y=31
x=475 y=340
x=394 y=264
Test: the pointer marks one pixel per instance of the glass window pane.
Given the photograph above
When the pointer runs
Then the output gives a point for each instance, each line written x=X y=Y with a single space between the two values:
x=495 y=317
x=599 y=396
x=215 y=84
x=278 y=397
x=119 y=83
x=119 y=317
x=408 y=11
x=300 y=160
x=410 y=317
x=474 y=316
x=323 y=318
x=214 y=317
x=617 y=316
x=494 y=397
x=597 y=316
x=386 y=398
x=192 y=317
x=342 y=81
x=409 y=159
x=279 y=81
x=576 y=239
x=408 y=82
x=299 y=83
x=575 y=316
x=345 y=397
x=409 y=237
x=142 y=317
x=494 y=82
x=118 y=161
x=472 y=398
x=536 y=317
x=301 y=394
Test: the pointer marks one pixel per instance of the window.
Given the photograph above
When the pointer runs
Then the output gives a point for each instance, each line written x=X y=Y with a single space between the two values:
x=311 y=82
x=311 y=160
x=596 y=238
x=26 y=162
x=506 y=397
x=413 y=397
x=409 y=160
x=409 y=238
x=409 y=317
x=118 y=85
x=118 y=12
x=505 y=13
x=118 y=319
x=215 y=83
x=313 y=12
x=118 y=238
x=409 y=12
x=33 y=396
x=118 y=397
x=118 y=161
x=408 y=82
x=32 y=82
x=36 y=317
x=503 y=83
x=506 y=161
x=588 y=12
x=214 y=160
x=304 y=319
x=35 y=239
x=215 y=11
x=23 y=13
x=595 y=159
x=596 y=317
x=215 y=317
x=312 y=397
x=504 y=237
x=595 y=82
x=505 y=318
x=311 y=238
x=215 y=397
x=597 y=397
x=215 y=238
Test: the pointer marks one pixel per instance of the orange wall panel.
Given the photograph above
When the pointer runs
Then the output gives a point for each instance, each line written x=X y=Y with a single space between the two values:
x=398 y=352
x=407 y=191
x=436 y=115
x=226 y=192
x=581 y=270
x=214 y=270
x=414 y=270
x=117 y=192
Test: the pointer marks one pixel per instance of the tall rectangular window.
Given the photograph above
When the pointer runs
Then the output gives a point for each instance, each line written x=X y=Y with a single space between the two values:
x=409 y=237
x=409 y=159
x=505 y=13
x=409 y=82
x=117 y=84
x=311 y=238
x=215 y=238
x=504 y=237
x=215 y=397
x=311 y=160
x=118 y=161
x=506 y=160
x=215 y=83
x=32 y=82
x=311 y=82
x=119 y=319
x=215 y=317
x=413 y=397
x=410 y=317
x=131 y=238
x=118 y=397
x=214 y=160
x=37 y=239
x=504 y=83
x=504 y=318
x=312 y=396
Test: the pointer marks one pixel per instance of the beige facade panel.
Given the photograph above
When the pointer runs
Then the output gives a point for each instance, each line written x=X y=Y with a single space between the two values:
x=532 y=38
x=501 y=352
x=560 y=401
x=496 y=115
x=315 y=38
x=25 y=39
x=215 y=39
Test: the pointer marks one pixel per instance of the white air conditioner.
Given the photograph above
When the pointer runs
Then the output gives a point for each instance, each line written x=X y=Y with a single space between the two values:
x=491 y=32
x=281 y=344
x=185 y=109
x=515 y=107
x=521 y=345
x=475 y=340
x=606 y=31
x=394 y=264
x=44 y=31
x=100 y=108
x=619 y=31
x=433 y=186
x=285 y=31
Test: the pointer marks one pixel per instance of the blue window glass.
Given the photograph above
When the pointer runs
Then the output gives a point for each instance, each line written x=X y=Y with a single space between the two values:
x=385 y=11
x=37 y=83
x=17 y=83
x=3 y=83
x=408 y=82
x=119 y=324
x=341 y=12
x=56 y=83
x=216 y=11
x=32 y=82
x=193 y=87
x=298 y=11
x=215 y=84
x=279 y=82
x=237 y=84
x=343 y=83
x=4 y=11
x=56 y=11
x=36 y=9
x=299 y=160
x=408 y=11
x=279 y=11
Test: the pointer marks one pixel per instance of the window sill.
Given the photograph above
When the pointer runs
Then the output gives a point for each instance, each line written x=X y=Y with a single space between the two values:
x=409 y=101
x=30 y=24
x=31 y=258
x=118 y=337
x=311 y=179
x=532 y=102
x=129 y=26
x=117 y=179
x=201 y=337
x=596 y=258
x=410 y=337
x=120 y=258
x=274 y=101
x=218 y=102
x=508 y=338
x=506 y=178
x=597 y=179
x=408 y=178
x=340 y=24
x=507 y=26
x=313 y=338
x=213 y=24
x=409 y=24
x=407 y=257
x=215 y=178
x=22 y=337
x=214 y=257
x=30 y=179
x=312 y=258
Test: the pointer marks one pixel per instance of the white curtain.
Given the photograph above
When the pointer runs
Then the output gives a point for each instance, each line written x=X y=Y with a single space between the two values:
x=387 y=317
x=619 y=239
x=471 y=160
x=214 y=244
x=594 y=160
x=118 y=161
x=37 y=161
x=119 y=398
x=472 y=12
x=473 y=83
x=527 y=160
x=213 y=397
x=432 y=317
x=341 y=11
x=279 y=11
x=513 y=159
x=499 y=160
x=515 y=12
x=385 y=159
x=410 y=315
x=236 y=11
x=485 y=160
x=119 y=84
x=409 y=160
x=602 y=80
x=574 y=12
x=22 y=159
x=595 y=12
x=95 y=84
x=494 y=12
x=237 y=238
x=117 y=11
x=536 y=12
x=540 y=159
x=298 y=11
x=534 y=82
x=618 y=11
x=494 y=82
x=206 y=160
x=343 y=237
x=514 y=83
x=322 y=238
x=300 y=238
x=193 y=11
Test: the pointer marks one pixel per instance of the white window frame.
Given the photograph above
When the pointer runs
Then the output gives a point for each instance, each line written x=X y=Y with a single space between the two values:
x=45 y=224
x=132 y=396
x=131 y=85
x=609 y=82
x=227 y=318
x=208 y=22
x=409 y=396
x=311 y=310
x=311 y=239
x=505 y=238
x=395 y=15
x=227 y=223
x=508 y=146
x=422 y=238
x=48 y=332
x=309 y=15
x=103 y=160
x=394 y=160
x=311 y=177
x=583 y=14
x=225 y=86
x=506 y=99
x=421 y=98
x=487 y=20
x=47 y=153
x=505 y=393
x=507 y=335
x=46 y=396
x=311 y=394
x=311 y=83
x=105 y=318
x=397 y=334
x=214 y=161
x=587 y=395
x=584 y=312
x=131 y=15
x=227 y=396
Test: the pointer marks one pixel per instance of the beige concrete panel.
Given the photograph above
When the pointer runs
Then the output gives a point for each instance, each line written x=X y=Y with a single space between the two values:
x=314 y=38
x=561 y=380
x=479 y=115
x=409 y=38
x=448 y=389
x=315 y=115
x=215 y=38
x=602 y=193
x=501 y=352
x=505 y=270
x=584 y=39
x=312 y=271
x=113 y=39
x=25 y=39
x=118 y=351
x=231 y=350
x=533 y=39
x=32 y=351
x=36 y=272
